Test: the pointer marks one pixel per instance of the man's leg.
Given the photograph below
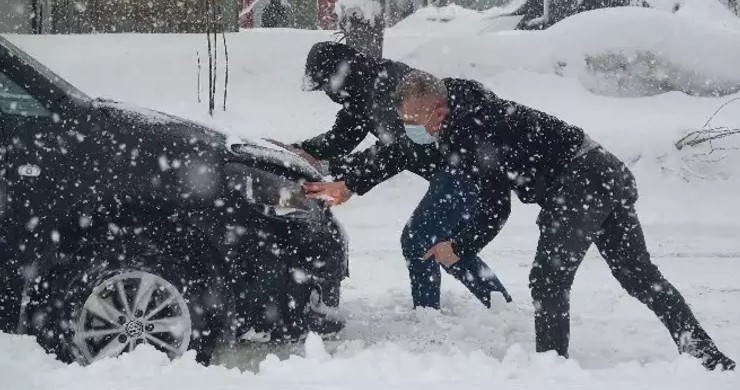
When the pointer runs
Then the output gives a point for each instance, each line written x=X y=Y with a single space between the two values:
x=442 y=209
x=569 y=222
x=561 y=247
x=424 y=275
x=622 y=244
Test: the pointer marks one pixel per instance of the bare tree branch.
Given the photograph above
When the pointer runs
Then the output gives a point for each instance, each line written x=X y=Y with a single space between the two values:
x=197 y=55
x=210 y=58
x=226 y=72
x=707 y=134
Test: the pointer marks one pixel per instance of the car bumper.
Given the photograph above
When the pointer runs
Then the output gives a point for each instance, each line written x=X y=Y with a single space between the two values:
x=285 y=274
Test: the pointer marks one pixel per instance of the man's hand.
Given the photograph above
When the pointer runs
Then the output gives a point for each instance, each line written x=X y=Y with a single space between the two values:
x=442 y=253
x=332 y=193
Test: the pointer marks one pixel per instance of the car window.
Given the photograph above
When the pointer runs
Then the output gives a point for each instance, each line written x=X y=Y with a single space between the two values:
x=45 y=72
x=15 y=100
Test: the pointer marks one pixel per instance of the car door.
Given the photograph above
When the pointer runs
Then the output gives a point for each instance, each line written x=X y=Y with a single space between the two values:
x=39 y=125
x=8 y=276
x=19 y=111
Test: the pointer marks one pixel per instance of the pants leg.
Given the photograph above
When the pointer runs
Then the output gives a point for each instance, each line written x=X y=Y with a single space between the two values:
x=444 y=207
x=565 y=236
x=596 y=202
x=623 y=246
x=569 y=222
x=425 y=276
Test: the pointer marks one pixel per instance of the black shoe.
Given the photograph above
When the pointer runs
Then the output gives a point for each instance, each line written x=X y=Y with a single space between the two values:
x=324 y=325
x=698 y=344
x=716 y=360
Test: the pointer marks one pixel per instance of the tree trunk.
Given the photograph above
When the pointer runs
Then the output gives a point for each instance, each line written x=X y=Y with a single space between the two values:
x=361 y=30
x=734 y=6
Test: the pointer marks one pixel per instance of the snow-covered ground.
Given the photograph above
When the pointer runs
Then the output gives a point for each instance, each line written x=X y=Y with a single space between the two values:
x=689 y=209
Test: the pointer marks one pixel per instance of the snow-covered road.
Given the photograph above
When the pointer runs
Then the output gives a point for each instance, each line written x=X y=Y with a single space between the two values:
x=692 y=230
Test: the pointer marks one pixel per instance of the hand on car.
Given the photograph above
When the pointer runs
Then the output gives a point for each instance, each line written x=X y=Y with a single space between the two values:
x=332 y=193
x=442 y=253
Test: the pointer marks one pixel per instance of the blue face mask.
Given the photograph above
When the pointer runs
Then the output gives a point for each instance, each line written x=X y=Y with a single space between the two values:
x=418 y=135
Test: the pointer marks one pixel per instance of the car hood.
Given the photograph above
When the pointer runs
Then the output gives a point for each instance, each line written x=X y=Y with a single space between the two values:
x=165 y=126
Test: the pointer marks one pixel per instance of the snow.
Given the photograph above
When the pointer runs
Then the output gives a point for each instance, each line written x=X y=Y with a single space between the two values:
x=692 y=55
x=691 y=224
x=660 y=51
x=146 y=114
x=459 y=21
x=369 y=10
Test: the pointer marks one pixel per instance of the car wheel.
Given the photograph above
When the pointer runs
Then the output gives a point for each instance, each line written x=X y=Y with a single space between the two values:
x=128 y=309
x=117 y=295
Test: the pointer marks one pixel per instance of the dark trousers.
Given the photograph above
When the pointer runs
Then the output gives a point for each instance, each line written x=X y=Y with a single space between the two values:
x=445 y=207
x=594 y=202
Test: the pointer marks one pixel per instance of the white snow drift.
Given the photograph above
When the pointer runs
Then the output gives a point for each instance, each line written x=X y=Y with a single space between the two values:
x=629 y=51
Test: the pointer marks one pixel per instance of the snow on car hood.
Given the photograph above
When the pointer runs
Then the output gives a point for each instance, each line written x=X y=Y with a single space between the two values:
x=243 y=147
x=271 y=153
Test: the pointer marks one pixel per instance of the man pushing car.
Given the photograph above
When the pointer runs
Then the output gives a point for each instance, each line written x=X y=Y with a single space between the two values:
x=587 y=196
x=365 y=87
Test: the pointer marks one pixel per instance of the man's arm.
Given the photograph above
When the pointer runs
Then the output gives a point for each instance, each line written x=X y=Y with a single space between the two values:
x=363 y=170
x=348 y=131
x=490 y=216
x=368 y=168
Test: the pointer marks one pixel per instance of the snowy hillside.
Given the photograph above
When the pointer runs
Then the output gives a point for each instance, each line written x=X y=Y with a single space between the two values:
x=689 y=208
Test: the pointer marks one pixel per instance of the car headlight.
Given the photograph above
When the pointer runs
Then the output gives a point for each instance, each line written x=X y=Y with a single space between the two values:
x=272 y=194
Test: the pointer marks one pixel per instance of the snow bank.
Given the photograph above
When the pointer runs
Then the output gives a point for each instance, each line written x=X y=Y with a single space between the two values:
x=635 y=51
x=627 y=51
x=24 y=366
x=453 y=20
x=710 y=11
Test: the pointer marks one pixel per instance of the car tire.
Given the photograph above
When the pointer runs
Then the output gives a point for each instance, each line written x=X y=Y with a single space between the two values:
x=83 y=316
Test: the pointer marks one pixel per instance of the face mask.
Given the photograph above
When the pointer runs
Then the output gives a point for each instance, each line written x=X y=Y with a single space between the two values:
x=418 y=135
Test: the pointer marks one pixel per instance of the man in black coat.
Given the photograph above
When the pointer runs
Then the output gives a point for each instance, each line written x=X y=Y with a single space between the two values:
x=587 y=196
x=365 y=88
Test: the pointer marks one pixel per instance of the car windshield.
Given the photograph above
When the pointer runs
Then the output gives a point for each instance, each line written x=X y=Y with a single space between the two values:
x=68 y=88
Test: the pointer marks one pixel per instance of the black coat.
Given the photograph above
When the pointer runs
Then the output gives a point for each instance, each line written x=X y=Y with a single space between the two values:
x=502 y=144
x=365 y=87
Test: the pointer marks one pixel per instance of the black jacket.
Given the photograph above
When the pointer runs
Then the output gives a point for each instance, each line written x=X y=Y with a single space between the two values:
x=365 y=87
x=501 y=143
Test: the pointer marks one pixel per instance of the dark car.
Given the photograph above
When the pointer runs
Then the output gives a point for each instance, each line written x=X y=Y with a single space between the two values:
x=121 y=226
x=504 y=15
x=541 y=14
